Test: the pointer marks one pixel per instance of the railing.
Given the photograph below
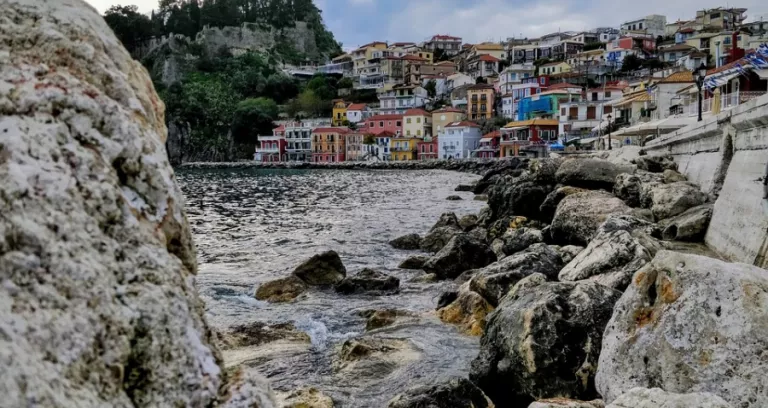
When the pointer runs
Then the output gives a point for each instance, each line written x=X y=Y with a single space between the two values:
x=403 y=149
x=267 y=150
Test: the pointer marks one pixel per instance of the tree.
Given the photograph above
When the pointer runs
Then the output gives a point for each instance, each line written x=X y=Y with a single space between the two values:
x=369 y=139
x=311 y=103
x=631 y=63
x=594 y=46
x=253 y=117
x=346 y=83
x=431 y=88
x=130 y=27
x=480 y=80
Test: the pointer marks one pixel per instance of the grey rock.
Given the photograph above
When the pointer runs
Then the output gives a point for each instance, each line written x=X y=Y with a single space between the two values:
x=518 y=239
x=672 y=176
x=658 y=398
x=464 y=187
x=406 y=242
x=446 y=220
x=591 y=173
x=629 y=187
x=481 y=197
x=368 y=281
x=669 y=200
x=453 y=198
x=414 y=262
x=497 y=246
x=281 y=290
x=468 y=222
x=689 y=324
x=689 y=226
x=438 y=237
x=643 y=214
x=655 y=164
x=307 y=397
x=544 y=342
x=568 y=252
x=544 y=171
x=480 y=234
x=452 y=393
x=460 y=254
x=495 y=280
x=579 y=215
x=549 y=206
x=517 y=197
x=321 y=269
x=566 y=403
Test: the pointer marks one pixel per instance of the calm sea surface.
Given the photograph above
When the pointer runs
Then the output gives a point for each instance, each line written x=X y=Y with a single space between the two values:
x=251 y=226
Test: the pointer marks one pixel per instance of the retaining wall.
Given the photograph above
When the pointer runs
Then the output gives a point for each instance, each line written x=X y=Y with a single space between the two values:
x=727 y=155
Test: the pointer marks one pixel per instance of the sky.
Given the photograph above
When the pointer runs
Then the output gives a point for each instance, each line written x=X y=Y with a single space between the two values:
x=356 y=22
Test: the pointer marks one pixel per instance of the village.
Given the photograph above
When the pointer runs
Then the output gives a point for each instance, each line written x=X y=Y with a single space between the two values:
x=566 y=92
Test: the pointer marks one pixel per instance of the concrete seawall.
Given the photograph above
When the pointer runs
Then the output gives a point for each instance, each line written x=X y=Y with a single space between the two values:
x=727 y=155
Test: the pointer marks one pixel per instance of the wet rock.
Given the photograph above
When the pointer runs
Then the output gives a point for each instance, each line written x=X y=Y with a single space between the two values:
x=495 y=280
x=480 y=234
x=259 y=333
x=372 y=358
x=579 y=215
x=453 y=198
x=658 y=398
x=309 y=397
x=672 y=176
x=460 y=254
x=520 y=197
x=446 y=298
x=425 y=278
x=484 y=216
x=468 y=311
x=544 y=342
x=453 y=393
x=611 y=258
x=322 y=269
x=281 y=290
x=655 y=164
x=446 y=220
x=468 y=222
x=414 y=262
x=568 y=252
x=643 y=214
x=516 y=240
x=669 y=200
x=591 y=173
x=630 y=187
x=377 y=319
x=566 y=403
x=544 y=171
x=437 y=238
x=98 y=302
x=406 y=242
x=369 y=281
x=497 y=246
x=549 y=206
x=464 y=187
x=512 y=167
x=689 y=226
x=481 y=197
x=687 y=324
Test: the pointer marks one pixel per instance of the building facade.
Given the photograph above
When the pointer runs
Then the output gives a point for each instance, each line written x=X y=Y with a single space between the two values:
x=339 y=112
x=481 y=99
x=554 y=68
x=355 y=147
x=514 y=74
x=449 y=45
x=580 y=116
x=654 y=25
x=399 y=98
x=417 y=123
x=517 y=135
x=298 y=137
x=358 y=112
x=271 y=148
x=489 y=146
x=442 y=117
x=427 y=149
x=404 y=148
x=328 y=144
x=459 y=140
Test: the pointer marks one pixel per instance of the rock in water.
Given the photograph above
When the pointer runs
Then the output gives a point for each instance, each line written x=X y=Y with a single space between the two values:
x=690 y=323
x=369 y=281
x=466 y=309
x=690 y=225
x=461 y=254
x=566 y=403
x=543 y=341
x=453 y=393
x=658 y=398
x=98 y=305
x=406 y=242
x=446 y=220
x=464 y=187
x=437 y=238
x=309 y=397
x=454 y=198
x=579 y=215
x=414 y=262
x=590 y=173
x=322 y=269
x=281 y=290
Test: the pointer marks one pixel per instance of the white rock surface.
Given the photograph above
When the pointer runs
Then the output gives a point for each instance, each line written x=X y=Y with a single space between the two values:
x=658 y=398
x=686 y=324
x=98 y=305
x=669 y=200
x=579 y=215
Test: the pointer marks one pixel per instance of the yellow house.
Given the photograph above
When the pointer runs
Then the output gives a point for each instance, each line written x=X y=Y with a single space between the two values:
x=417 y=123
x=362 y=55
x=339 y=112
x=427 y=55
x=489 y=48
x=442 y=117
x=404 y=148
x=480 y=101
x=554 y=68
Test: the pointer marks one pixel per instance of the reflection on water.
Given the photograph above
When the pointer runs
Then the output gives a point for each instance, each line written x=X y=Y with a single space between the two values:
x=255 y=225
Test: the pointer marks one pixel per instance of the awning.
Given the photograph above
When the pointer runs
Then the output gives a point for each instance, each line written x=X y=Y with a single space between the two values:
x=588 y=140
x=762 y=73
x=673 y=123
x=486 y=139
x=625 y=101
x=601 y=126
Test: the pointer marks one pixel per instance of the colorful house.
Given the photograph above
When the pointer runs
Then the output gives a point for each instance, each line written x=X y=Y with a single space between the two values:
x=417 y=123
x=427 y=149
x=339 y=112
x=459 y=140
x=355 y=146
x=404 y=148
x=271 y=148
x=480 y=101
x=383 y=146
x=517 y=135
x=442 y=117
x=358 y=112
x=380 y=123
x=489 y=145
x=328 y=144
x=554 y=68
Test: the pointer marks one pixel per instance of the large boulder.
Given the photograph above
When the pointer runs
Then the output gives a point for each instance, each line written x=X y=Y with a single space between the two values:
x=517 y=197
x=452 y=393
x=655 y=164
x=612 y=257
x=406 y=242
x=630 y=187
x=281 y=290
x=368 y=281
x=495 y=280
x=689 y=226
x=579 y=215
x=321 y=269
x=549 y=206
x=543 y=341
x=566 y=403
x=658 y=398
x=591 y=173
x=669 y=200
x=461 y=254
x=438 y=237
x=689 y=323
x=414 y=262
x=466 y=309
x=518 y=239
x=544 y=171
x=98 y=304
x=446 y=220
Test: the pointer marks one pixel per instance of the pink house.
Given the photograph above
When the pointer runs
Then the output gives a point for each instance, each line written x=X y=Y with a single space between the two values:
x=271 y=149
x=380 y=123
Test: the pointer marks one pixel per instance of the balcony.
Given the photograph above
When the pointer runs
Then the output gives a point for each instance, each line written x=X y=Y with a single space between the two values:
x=267 y=150
x=403 y=149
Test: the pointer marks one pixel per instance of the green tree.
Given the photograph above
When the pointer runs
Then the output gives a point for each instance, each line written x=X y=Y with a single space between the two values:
x=631 y=63
x=130 y=27
x=369 y=139
x=253 y=117
x=431 y=88
x=594 y=46
x=346 y=83
x=311 y=104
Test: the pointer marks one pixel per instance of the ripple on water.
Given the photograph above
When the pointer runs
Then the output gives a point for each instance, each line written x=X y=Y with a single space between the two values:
x=254 y=225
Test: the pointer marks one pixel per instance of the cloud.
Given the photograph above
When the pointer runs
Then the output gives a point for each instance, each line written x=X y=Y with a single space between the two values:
x=361 y=2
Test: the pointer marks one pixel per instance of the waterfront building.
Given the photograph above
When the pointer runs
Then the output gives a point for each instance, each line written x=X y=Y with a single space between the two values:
x=459 y=139
x=339 y=112
x=442 y=117
x=583 y=114
x=489 y=145
x=427 y=149
x=404 y=148
x=383 y=145
x=298 y=137
x=358 y=112
x=355 y=146
x=271 y=149
x=481 y=100
x=328 y=144
x=516 y=136
x=383 y=123
x=417 y=123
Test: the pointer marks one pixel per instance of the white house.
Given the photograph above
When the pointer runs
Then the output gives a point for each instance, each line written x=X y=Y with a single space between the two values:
x=400 y=98
x=514 y=74
x=578 y=117
x=458 y=140
x=456 y=80
x=358 y=112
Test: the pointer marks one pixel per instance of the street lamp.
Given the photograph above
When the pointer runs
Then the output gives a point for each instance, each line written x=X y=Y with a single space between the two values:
x=699 y=76
x=609 y=132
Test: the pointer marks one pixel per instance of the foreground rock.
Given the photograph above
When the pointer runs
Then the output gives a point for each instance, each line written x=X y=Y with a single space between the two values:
x=631 y=187
x=466 y=309
x=690 y=225
x=414 y=262
x=461 y=254
x=516 y=240
x=369 y=281
x=655 y=164
x=658 y=398
x=98 y=305
x=372 y=359
x=322 y=269
x=549 y=206
x=579 y=215
x=281 y=290
x=543 y=341
x=377 y=319
x=406 y=242
x=686 y=324
x=566 y=403
x=453 y=393
x=517 y=197
x=309 y=397
x=669 y=200
x=590 y=173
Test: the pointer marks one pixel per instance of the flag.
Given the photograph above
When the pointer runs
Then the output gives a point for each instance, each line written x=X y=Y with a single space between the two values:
x=741 y=69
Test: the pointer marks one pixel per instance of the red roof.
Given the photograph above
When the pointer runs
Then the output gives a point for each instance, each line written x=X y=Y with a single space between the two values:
x=356 y=106
x=280 y=128
x=494 y=134
x=728 y=66
x=416 y=112
x=463 y=123
x=385 y=117
x=385 y=133
x=398 y=44
x=444 y=37
x=340 y=130
x=687 y=30
x=488 y=58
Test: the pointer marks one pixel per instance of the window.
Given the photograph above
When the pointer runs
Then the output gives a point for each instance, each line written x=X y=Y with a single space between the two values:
x=607 y=94
x=398 y=123
x=408 y=120
x=381 y=124
x=442 y=117
x=418 y=132
x=542 y=81
x=418 y=120
x=408 y=132
x=562 y=111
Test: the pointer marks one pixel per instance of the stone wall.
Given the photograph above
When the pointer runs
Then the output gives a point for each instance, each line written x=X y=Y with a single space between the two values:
x=727 y=156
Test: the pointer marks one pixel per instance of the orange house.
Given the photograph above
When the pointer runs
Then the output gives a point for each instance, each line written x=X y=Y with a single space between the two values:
x=328 y=144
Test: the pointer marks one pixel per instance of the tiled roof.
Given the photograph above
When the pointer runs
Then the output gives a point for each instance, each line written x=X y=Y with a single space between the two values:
x=687 y=30
x=488 y=58
x=493 y=134
x=463 y=123
x=445 y=37
x=680 y=77
x=563 y=85
x=340 y=130
x=385 y=117
x=280 y=128
x=480 y=86
x=447 y=110
x=411 y=57
x=534 y=122
x=489 y=46
x=416 y=112
x=727 y=66
x=356 y=106
x=385 y=133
